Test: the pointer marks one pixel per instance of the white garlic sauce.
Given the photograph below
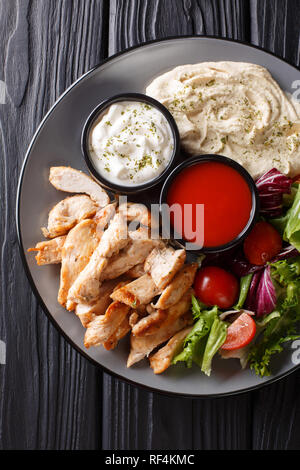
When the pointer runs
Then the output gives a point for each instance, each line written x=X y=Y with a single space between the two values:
x=131 y=143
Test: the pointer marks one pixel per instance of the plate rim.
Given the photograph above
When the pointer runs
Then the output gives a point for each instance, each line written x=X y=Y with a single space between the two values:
x=33 y=287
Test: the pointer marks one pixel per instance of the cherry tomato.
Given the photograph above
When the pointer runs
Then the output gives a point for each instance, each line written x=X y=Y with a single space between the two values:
x=262 y=244
x=240 y=333
x=215 y=286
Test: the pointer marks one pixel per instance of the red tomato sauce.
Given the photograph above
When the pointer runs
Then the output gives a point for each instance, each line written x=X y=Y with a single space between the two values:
x=226 y=197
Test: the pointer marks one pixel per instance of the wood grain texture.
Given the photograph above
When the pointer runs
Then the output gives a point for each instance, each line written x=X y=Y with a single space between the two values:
x=50 y=396
x=135 y=21
x=17 y=66
x=275 y=25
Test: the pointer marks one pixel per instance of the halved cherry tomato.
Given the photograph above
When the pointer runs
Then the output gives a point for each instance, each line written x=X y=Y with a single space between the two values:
x=240 y=333
x=215 y=286
x=262 y=244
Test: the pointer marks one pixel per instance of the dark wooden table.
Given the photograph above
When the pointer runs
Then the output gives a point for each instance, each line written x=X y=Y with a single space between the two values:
x=51 y=397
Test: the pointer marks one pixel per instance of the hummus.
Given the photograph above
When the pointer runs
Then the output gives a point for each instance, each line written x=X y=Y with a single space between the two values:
x=235 y=109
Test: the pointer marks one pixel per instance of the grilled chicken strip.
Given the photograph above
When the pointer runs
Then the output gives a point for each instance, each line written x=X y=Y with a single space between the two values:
x=136 y=271
x=162 y=359
x=87 y=312
x=177 y=287
x=68 y=213
x=150 y=324
x=133 y=318
x=135 y=253
x=103 y=327
x=139 y=292
x=74 y=181
x=87 y=285
x=175 y=320
x=49 y=252
x=136 y=212
x=114 y=238
x=80 y=243
x=103 y=216
x=122 y=331
x=163 y=264
x=142 y=346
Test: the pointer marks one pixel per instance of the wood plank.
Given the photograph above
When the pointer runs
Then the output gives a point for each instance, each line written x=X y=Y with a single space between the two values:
x=143 y=420
x=49 y=394
x=136 y=21
x=276 y=415
x=275 y=25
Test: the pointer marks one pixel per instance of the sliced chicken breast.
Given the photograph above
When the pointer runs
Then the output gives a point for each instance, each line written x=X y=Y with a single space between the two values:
x=49 y=252
x=87 y=285
x=150 y=324
x=162 y=359
x=114 y=238
x=133 y=318
x=103 y=216
x=122 y=331
x=103 y=327
x=87 y=312
x=142 y=346
x=182 y=281
x=163 y=264
x=135 y=212
x=135 y=253
x=139 y=292
x=70 y=180
x=80 y=243
x=136 y=271
x=176 y=319
x=68 y=213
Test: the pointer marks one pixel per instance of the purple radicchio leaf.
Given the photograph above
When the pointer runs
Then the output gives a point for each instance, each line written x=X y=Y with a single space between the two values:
x=288 y=252
x=240 y=266
x=262 y=295
x=271 y=186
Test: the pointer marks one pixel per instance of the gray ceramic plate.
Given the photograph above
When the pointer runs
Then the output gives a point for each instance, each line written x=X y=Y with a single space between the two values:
x=57 y=142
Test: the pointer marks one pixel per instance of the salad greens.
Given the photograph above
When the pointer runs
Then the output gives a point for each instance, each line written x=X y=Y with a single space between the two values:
x=280 y=325
x=292 y=229
x=289 y=224
x=282 y=288
x=245 y=283
x=205 y=339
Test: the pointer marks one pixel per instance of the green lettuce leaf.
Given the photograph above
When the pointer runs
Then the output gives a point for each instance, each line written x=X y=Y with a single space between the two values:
x=216 y=338
x=289 y=224
x=191 y=345
x=281 y=325
x=292 y=229
x=244 y=288
x=207 y=336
